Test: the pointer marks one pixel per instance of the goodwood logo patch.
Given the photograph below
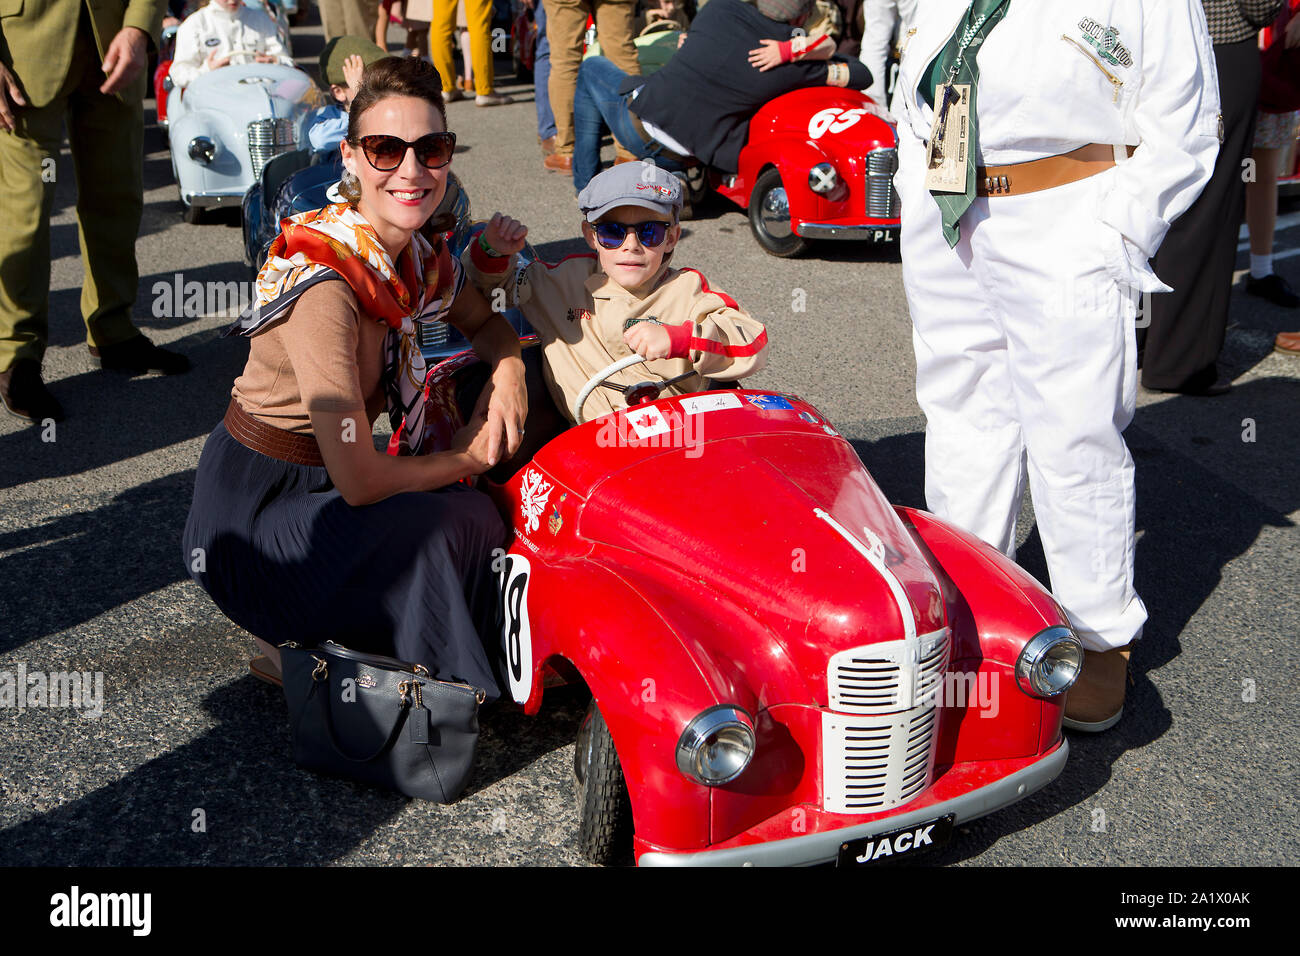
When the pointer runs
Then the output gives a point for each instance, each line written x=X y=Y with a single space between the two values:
x=1105 y=40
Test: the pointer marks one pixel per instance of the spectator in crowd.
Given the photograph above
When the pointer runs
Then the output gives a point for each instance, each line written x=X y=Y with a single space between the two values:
x=342 y=62
x=83 y=64
x=885 y=26
x=1275 y=137
x=416 y=18
x=736 y=57
x=566 y=22
x=1180 y=347
x=221 y=32
x=478 y=18
x=542 y=79
x=347 y=17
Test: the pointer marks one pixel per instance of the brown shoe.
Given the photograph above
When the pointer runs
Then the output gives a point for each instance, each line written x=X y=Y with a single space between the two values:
x=624 y=159
x=559 y=162
x=1288 y=342
x=1096 y=701
x=548 y=145
x=25 y=395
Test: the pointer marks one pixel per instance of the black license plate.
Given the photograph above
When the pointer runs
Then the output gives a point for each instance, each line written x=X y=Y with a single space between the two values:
x=896 y=843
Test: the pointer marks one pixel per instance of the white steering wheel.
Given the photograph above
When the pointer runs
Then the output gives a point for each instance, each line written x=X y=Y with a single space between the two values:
x=599 y=379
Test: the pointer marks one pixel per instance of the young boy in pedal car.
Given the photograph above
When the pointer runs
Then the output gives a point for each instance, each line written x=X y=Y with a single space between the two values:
x=593 y=309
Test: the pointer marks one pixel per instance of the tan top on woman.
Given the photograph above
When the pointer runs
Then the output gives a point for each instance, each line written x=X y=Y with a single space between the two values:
x=325 y=355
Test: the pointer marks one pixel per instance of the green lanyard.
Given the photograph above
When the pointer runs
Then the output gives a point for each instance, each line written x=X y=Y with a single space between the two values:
x=969 y=28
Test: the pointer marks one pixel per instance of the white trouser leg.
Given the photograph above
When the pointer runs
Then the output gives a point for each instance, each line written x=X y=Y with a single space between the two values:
x=879 y=18
x=1020 y=320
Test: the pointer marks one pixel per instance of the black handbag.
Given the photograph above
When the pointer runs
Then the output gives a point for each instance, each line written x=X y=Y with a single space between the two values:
x=380 y=720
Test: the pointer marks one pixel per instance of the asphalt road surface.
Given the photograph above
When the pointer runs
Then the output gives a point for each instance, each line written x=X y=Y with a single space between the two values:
x=1200 y=771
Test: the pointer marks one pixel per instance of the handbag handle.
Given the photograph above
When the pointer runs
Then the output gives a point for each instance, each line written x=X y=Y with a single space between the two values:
x=334 y=742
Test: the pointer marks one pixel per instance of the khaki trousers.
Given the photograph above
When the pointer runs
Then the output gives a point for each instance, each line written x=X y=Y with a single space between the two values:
x=478 y=20
x=106 y=137
x=348 y=18
x=565 y=23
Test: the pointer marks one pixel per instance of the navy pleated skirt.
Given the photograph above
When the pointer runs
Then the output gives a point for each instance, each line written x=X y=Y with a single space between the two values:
x=285 y=557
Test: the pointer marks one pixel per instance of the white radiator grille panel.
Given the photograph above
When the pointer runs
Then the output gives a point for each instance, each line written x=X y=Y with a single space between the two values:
x=886 y=678
x=878 y=736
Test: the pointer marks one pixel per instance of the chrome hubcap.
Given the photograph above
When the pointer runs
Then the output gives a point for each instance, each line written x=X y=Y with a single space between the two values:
x=774 y=213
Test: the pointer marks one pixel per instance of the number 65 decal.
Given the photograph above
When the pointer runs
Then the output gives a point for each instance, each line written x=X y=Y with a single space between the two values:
x=516 y=635
x=834 y=120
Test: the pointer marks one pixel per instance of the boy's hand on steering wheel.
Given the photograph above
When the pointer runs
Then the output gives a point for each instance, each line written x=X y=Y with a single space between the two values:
x=505 y=235
x=649 y=340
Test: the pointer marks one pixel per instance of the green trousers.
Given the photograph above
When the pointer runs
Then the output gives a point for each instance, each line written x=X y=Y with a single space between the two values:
x=106 y=136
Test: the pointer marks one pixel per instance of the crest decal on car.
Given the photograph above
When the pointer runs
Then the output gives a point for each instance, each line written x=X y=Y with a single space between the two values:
x=534 y=491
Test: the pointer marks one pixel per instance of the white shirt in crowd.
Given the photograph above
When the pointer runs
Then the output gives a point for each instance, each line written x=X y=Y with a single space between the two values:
x=213 y=29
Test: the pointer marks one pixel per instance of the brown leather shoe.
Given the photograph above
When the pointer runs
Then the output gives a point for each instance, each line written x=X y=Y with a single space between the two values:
x=548 y=145
x=25 y=395
x=1096 y=701
x=1288 y=342
x=559 y=162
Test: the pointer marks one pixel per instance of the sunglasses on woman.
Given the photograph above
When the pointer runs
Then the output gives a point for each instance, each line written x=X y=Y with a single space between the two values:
x=649 y=234
x=385 y=153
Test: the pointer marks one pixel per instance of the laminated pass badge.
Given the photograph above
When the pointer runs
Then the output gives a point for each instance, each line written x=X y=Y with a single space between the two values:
x=949 y=149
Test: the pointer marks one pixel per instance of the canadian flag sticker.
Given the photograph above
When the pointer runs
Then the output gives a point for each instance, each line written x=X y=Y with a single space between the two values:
x=648 y=421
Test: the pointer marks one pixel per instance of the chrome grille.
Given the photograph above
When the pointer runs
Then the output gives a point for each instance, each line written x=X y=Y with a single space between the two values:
x=878 y=735
x=431 y=335
x=268 y=139
x=882 y=198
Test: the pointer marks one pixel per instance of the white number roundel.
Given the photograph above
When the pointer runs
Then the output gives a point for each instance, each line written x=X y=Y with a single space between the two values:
x=834 y=120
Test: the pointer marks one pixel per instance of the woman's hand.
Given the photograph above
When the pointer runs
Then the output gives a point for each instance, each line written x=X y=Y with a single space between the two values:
x=478 y=444
x=649 y=340
x=767 y=56
x=503 y=404
x=505 y=235
x=216 y=62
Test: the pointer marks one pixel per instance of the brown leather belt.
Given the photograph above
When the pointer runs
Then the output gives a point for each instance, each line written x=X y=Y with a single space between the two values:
x=1020 y=178
x=271 y=441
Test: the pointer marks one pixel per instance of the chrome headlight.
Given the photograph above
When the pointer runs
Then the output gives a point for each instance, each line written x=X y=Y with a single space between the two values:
x=716 y=747
x=823 y=179
x=202 y=149
x=1050 y=662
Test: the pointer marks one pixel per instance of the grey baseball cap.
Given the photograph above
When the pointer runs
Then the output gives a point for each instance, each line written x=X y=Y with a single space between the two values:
x=631 y=184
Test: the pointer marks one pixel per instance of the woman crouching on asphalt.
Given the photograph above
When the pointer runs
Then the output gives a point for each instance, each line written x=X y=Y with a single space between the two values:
x=299 y=529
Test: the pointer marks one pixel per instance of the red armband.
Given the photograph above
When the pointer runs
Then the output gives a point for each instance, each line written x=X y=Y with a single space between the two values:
x=679 y=339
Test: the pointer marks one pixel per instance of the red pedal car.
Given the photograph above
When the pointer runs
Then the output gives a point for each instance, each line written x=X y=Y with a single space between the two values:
x=819 y=164
x=784 y=668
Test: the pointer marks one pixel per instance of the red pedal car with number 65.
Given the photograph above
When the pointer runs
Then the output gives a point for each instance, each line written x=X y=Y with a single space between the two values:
x=819 y=163
x=784 y=668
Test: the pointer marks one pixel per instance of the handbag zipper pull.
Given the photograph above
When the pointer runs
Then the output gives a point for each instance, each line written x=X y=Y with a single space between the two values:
x=418 y=718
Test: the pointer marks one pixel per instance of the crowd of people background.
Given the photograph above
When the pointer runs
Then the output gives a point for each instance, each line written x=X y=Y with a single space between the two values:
x=84 y=65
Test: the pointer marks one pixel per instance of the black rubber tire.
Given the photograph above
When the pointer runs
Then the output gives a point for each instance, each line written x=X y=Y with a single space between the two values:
x=784 y=247
x=604 y=811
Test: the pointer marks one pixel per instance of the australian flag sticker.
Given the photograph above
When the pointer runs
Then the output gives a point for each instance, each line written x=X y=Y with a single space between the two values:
x=770 y=403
